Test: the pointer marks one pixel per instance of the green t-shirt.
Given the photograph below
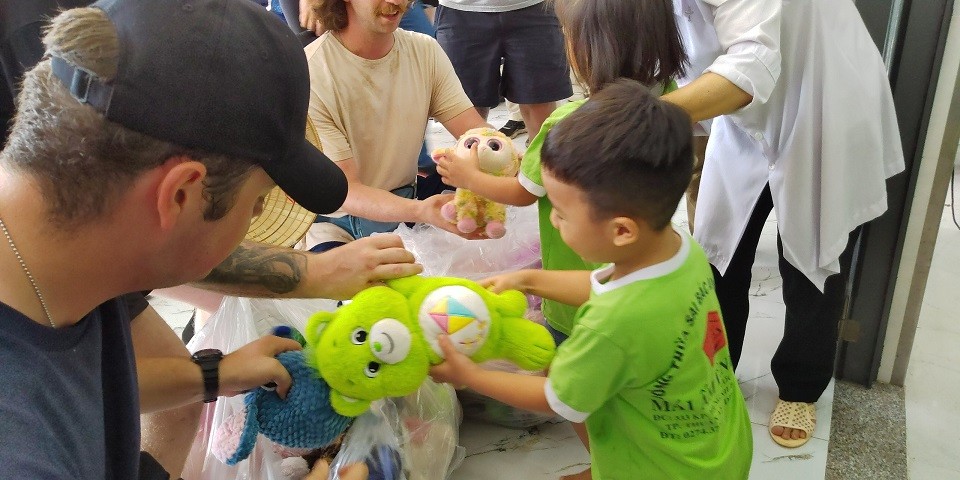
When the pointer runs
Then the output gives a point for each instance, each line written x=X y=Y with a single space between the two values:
x=556 y=254
x=648 y=369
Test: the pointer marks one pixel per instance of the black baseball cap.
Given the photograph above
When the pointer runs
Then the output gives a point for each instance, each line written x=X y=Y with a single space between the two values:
x=222 y=76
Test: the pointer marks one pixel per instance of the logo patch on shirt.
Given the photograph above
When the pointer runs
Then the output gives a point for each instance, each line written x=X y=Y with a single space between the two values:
x=714 y=340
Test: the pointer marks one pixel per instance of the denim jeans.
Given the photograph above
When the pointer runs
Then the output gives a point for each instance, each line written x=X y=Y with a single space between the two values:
x=361 y=227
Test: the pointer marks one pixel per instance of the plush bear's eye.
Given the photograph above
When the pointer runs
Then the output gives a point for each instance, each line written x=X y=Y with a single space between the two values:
x=372 y=370
x=470 y=142
x=494 y=145
x=359 y=336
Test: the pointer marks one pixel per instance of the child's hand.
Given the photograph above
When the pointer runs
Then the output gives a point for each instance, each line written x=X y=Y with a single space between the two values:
x=516 y=280
x=457 y=171
x=457 y=368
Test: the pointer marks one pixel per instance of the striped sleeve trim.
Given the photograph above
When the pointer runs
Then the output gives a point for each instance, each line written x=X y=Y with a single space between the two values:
x=531 y=186
x=561 y=408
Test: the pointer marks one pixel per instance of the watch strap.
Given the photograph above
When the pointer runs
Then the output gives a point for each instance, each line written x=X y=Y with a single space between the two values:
x=209 y=363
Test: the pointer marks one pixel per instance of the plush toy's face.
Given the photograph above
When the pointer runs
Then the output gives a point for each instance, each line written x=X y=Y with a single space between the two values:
x=368 y=349
x=495 y=150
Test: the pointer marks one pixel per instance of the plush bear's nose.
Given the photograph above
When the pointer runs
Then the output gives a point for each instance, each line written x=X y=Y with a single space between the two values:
x=390 y=340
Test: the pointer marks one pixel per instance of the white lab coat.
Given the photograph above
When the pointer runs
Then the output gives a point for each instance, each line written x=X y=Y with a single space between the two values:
x=821 y=128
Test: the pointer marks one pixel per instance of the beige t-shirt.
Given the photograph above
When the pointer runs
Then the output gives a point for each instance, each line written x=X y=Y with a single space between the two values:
x=376 y=111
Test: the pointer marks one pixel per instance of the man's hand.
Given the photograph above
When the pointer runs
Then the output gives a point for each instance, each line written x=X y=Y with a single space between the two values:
x=458 y=171
x=254 y=365
x=345 y=270
x=516 y=280
x=430 y=214
x=321 y=471
x=309 y=19
x=457 y=368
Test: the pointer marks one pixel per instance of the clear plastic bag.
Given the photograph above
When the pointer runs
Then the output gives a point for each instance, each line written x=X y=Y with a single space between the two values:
x=238 y=322
x=410 y=438
x=443 y=254
x=430 y=422
x=373 y=439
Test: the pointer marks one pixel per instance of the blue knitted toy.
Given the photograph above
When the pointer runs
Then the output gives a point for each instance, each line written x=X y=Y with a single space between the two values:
x=304 y=421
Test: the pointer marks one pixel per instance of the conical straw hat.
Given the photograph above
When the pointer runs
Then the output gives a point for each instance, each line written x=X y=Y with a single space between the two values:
x=283 y=222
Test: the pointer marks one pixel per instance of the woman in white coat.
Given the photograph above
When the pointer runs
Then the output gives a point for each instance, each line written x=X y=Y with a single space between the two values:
x=804 y=125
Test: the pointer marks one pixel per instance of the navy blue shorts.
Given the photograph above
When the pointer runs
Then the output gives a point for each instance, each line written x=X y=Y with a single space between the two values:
x=528 y=42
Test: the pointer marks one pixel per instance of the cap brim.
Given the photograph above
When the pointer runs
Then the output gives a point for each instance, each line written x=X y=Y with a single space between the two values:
x=310 y=178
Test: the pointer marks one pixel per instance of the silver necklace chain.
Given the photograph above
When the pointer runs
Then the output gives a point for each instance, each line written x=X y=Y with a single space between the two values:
x=26 y=270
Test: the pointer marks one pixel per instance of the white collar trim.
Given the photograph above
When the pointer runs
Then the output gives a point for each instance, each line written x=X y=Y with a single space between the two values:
x=598 y=276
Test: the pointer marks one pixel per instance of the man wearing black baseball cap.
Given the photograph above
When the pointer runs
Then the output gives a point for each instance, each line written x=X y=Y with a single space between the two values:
x=141 y=149
x=216 y=77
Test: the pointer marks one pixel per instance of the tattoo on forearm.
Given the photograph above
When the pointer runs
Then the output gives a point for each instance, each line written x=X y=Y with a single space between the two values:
x=278 y=270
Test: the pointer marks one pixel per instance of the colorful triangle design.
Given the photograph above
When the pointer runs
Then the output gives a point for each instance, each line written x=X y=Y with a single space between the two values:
x=441 y=319
x=439 y=314
x=457 y=322
x=457 y=308
x=440 y=307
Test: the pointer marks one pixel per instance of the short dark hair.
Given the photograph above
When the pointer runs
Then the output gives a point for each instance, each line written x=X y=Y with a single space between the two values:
x=611 y=39
x=332 y=14
x=628 y=151
x=83 y=162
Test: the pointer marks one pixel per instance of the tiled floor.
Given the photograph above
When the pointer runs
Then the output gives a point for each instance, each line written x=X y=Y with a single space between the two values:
x=932 y=390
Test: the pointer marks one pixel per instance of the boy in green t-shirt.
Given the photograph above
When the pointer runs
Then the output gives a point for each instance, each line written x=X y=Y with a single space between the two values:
x=525 y=189
x=647 y=365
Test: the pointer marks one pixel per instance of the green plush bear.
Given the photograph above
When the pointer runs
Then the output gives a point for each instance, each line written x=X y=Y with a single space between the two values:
x=383 y=342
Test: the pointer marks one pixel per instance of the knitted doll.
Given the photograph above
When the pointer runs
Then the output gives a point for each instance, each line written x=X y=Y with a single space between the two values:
x=497 y=157
x=297 y=425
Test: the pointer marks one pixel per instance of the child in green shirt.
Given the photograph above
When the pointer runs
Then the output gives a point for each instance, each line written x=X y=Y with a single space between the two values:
x=606 y=40
x=646 y=366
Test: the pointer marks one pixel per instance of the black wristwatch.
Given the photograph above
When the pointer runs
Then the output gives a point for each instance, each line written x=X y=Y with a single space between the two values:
x=209 y=361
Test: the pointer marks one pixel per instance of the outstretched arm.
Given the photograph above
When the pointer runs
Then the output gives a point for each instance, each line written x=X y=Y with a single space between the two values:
x=521 y=391
x=466 y=173
x=571 y=287
x=380 y=205
x=258 y=270
x=167 y=378
x=709 y=96
x=748 y=69
x=465 y=120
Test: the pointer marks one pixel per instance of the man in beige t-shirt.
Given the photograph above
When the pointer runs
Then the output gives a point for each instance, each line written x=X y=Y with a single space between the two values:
x=373 y=88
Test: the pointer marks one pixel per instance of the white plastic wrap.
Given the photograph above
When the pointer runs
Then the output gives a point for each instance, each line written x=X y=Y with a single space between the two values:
x=443 y=254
